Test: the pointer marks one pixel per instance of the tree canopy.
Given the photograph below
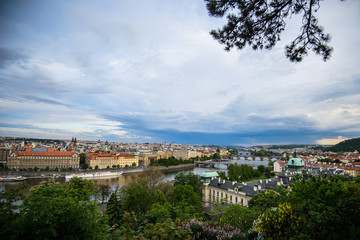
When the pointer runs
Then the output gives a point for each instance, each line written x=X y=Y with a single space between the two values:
x=259 y=23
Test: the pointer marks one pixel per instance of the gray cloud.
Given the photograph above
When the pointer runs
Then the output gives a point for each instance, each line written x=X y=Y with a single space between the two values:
x=8 y=56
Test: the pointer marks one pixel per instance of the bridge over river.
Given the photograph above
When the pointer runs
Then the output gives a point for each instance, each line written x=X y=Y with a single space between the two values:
x=251 y=161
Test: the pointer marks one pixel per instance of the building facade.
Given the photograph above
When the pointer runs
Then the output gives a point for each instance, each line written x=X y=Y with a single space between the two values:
x=216 y=190
x=185 y=155
x=4 y=155
x=108 y=160
x=42 y=158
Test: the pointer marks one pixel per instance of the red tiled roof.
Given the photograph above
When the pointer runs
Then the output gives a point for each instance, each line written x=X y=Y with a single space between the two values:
x=49 y=152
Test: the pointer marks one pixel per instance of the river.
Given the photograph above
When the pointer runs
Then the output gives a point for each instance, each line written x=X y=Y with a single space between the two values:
x=123 y=179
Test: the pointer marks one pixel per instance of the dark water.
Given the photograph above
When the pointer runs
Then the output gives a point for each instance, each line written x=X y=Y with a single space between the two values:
x=123 y=179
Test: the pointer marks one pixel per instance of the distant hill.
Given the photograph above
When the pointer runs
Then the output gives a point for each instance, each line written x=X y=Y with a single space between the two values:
x=349 y=145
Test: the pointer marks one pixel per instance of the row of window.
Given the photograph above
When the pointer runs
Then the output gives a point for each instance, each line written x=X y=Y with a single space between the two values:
x=221 y=195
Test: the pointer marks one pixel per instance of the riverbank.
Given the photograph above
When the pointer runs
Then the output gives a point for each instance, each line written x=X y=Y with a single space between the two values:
x=47 y=174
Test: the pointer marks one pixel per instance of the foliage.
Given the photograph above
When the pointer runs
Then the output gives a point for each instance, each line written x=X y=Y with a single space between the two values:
x=185 y=202
x=151 y=177
x=288 y=146
x=216 y=156
x=134 y=227
x=261 y=153
x=238 y=216
x=104 y=191
x=222 y=175
x=160 y=211
x=328 y=209
x=332 y=207
x=241 y=172
x=171 y=161
x=137 y=199
x=113 y=208
x=349 y=145
x=9 y=212
x=81 y=189
x=82 y=157
x=260 y=23
x=280 y=223
x=53 y=211
x=202 y=230
x=261 y=169
x=189 y=178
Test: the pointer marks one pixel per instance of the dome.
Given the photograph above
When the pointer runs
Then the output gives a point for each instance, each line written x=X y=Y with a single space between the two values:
x=296 y=162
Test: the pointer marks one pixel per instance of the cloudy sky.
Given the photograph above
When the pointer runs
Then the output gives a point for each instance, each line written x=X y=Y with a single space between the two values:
x=148 y=71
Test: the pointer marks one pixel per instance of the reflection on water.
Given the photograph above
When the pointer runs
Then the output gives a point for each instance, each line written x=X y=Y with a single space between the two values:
x=123 y=179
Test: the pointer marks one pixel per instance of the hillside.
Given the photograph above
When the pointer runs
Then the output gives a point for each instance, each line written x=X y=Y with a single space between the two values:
x=349 y=145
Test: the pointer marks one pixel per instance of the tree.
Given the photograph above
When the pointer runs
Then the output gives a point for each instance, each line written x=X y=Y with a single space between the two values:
x=186 y=203
x=104 y=191
x=137 y=199
x=216 y=156
x=113 y=208
x=85 y=166
x=259 y=23
x=150 y=177
x=280 y=223
x=50 y=211
x=241 y=172
x=133 y=164
x=82 y=158
x=189 y=179
x=81 y=189
x=238 y=216
x=9 y=212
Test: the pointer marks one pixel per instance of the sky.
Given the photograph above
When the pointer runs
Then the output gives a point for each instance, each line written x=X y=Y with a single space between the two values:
x=149 y=71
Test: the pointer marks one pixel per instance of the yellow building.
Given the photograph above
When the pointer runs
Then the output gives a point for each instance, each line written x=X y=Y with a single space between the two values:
x=27 y=157
x=104 y=160
x=127 y=159
x=185 y=155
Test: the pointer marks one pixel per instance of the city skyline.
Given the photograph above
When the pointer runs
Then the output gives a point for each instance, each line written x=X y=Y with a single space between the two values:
x=149 y=71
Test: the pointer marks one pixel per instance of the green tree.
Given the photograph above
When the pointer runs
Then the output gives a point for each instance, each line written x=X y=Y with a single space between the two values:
x=114 y=208
x=82 y=157
x=280 y=223
x=51 y=212
x=238 y=216
x=330 y=209
x=222 y=175
x=81 y=189
x=265 y=200
x=261 y=169
x=216 y=156
x=9 y=212
x=151 y=177
x=259 y=24
x=190 y=179
x=137 y=199
x=241 y=172
x=186 y=202
x=133 y=164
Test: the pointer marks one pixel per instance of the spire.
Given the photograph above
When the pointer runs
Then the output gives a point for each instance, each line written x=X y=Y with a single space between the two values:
x=295 y=154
